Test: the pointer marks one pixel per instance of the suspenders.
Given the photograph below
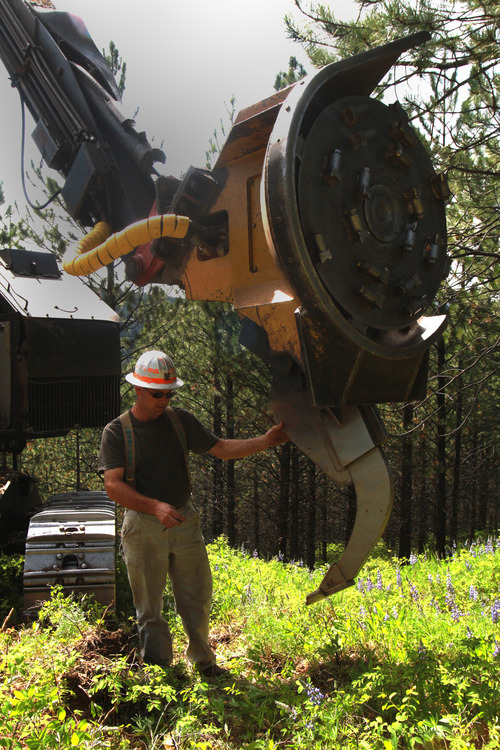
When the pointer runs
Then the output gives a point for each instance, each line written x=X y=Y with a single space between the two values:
x=128 y=435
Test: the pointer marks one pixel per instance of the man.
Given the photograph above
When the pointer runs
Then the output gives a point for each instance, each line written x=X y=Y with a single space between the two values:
x=161 y=534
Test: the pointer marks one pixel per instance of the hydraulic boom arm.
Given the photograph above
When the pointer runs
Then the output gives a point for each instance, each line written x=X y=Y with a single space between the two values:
x=322 y=222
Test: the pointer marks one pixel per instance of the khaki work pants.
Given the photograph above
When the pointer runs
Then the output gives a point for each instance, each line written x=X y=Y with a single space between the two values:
x=152 y=552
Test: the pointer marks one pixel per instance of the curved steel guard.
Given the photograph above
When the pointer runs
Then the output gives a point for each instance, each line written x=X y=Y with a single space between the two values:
x=341 y=444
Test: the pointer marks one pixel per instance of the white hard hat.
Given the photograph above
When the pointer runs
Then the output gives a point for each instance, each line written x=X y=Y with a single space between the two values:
x=155 y=369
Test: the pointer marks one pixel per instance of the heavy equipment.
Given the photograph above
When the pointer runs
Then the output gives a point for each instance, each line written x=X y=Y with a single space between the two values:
x=322 y=222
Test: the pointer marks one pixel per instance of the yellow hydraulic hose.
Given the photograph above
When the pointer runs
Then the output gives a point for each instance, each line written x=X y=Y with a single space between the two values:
x=97 y=236
x=98 y=248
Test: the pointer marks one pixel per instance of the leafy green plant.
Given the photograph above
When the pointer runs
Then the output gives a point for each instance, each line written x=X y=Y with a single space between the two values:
x=408 y=658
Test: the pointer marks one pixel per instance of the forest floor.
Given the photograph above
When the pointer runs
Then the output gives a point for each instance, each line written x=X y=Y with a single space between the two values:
x=408 y=658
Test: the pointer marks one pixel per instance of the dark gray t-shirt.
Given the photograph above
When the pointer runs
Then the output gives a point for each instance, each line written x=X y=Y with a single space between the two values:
x=160 y=463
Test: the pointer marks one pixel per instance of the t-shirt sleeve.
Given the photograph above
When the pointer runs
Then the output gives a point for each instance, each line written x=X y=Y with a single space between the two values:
x=112 y=452
x=199 y=438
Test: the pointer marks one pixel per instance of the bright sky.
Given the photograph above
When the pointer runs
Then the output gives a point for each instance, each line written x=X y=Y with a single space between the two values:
x=184 y=62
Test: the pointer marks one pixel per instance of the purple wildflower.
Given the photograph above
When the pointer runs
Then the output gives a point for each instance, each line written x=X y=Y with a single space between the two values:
x=369 y=584
x=449 y=583
x=379 y=583
x=315 y=695
x=496 y=650
x=413 y=592
x=413 y=559
x=495 y=611
x=363 y=613
x=455 y=612
x=398 y=578
x=473 y=593
x=435 y=604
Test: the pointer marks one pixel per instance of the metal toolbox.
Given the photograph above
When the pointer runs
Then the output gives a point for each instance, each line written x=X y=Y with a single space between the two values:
x=71 y=543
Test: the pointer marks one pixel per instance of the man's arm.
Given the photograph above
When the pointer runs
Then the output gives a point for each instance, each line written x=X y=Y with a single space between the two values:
x=119 y=491
x=241 y=448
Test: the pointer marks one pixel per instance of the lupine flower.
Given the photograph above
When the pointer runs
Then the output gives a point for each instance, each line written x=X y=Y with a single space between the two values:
x=449 y=584
x=473 y=593
x=468 y=565
x=395 y=613
x=398 y=578
x=363 y=613
x=369 y=584
x=496 y=650
x=413 y=592
x=435 y=604
x=315 y=695
x=379 y=583
x=430 y=579
x=422 y=651
x=495 y=611
x=360 y=586
x=413 y=559
x=255 y=553
x=455 y=612
x=489 y=546
x=469 y=632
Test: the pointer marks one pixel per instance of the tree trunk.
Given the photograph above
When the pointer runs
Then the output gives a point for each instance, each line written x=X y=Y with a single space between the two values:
x=422 y=493
x=230 y=484
x=406 y=503
x=217 y=468
x=284 y=498
x=483 y=491
x=294 y=504
x=311 y=516
x=457 y=461
x=473 y=493
x=324 y=524
x=256 y=519
x=440 y=518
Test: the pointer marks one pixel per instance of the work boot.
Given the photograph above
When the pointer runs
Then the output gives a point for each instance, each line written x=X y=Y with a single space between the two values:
x=214 y=672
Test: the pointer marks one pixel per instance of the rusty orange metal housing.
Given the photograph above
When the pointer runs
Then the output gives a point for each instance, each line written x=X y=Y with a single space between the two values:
x=248 y=275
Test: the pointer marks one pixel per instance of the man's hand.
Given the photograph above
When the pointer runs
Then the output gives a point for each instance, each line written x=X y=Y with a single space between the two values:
x=276 y=435
x=168 y=515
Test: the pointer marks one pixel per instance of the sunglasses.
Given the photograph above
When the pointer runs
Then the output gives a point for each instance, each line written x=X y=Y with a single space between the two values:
x=159 y=394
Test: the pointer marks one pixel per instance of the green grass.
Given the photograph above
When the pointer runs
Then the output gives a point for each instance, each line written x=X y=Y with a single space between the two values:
x=409 y=658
